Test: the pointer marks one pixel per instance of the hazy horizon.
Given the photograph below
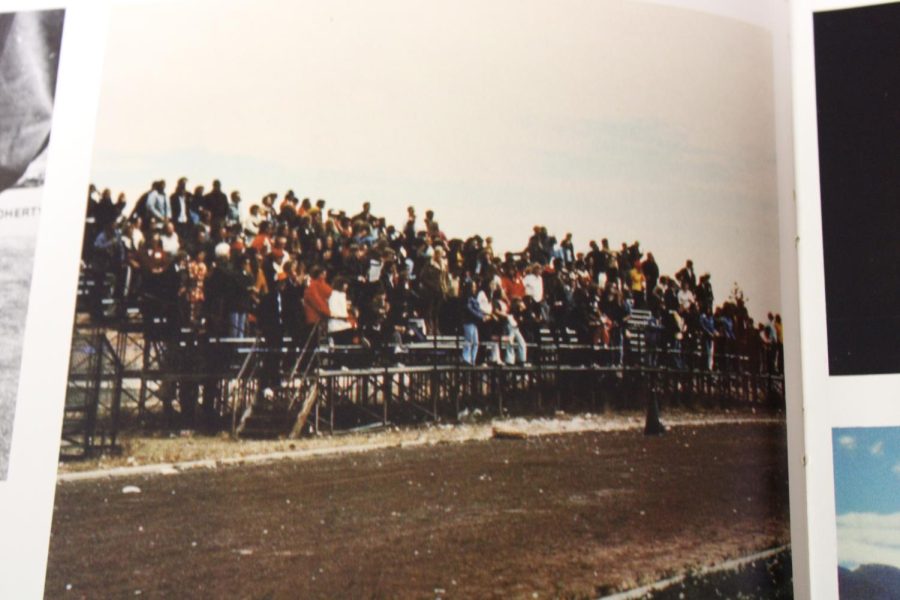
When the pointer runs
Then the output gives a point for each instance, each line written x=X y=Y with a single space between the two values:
x=620 y=119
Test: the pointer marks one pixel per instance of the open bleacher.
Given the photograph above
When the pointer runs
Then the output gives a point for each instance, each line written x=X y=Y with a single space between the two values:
x=300 y=386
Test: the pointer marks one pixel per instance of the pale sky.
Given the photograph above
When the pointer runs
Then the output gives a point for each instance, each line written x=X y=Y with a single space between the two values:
x=613 y=119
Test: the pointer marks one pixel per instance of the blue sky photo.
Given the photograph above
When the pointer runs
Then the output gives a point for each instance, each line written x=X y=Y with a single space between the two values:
x=867 y=495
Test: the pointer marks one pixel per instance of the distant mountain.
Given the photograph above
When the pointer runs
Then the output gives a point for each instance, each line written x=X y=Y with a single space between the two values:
x=869 y=582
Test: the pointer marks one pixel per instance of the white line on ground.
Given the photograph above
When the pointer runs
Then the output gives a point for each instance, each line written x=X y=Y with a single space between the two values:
x=662 y=584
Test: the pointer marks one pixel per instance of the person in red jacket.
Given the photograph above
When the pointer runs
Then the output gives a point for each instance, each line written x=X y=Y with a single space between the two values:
x=315 y=300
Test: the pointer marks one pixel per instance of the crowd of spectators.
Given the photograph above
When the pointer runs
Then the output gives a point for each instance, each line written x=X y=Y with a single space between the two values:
x=286 y=267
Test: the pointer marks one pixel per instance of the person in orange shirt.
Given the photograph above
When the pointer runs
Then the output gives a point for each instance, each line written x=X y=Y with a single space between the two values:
x=315 y=299
x=262 y=243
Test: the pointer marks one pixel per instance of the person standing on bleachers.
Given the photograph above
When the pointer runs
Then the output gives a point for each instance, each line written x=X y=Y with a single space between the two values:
x=472 y=318
x=434 y=286
x=179 y=207
x=216 y=202
x=637 y=283
x=315 y=299
x=158 y=208
x=651 y=274
x=271 y=316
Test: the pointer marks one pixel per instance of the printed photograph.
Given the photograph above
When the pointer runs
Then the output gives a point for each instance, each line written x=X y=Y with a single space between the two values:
x=427 y=300
x=867 y=502
x=29 y=56
x=858 y=102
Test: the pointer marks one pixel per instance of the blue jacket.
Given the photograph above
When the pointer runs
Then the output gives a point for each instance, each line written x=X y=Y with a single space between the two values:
x=472 y=312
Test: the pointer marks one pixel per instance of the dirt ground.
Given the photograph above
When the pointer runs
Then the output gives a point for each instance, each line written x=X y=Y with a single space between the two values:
x=142 y=448
x=572 y=515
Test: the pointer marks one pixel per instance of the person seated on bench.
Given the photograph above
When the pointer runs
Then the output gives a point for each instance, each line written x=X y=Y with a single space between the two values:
x=515 y=342
x=490 y=327
x=341 y=323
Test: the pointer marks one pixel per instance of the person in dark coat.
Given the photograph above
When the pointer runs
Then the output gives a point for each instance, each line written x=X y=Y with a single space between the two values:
x=179 y=203
x=651 y=273
x=216 y=202
x=271 y=316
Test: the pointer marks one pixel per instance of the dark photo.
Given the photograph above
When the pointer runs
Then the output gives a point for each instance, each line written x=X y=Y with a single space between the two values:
x=858 y=99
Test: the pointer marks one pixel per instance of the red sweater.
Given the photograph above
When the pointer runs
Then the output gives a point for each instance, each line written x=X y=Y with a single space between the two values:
x=514 y=287
x=315 y=301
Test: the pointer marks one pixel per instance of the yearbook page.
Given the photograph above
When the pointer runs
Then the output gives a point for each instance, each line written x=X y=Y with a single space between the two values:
x=445 y=300
x=43 y=156
x=30 y=42
x=846 y=139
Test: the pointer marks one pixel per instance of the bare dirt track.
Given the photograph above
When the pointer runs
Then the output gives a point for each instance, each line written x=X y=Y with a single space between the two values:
x=570 y=515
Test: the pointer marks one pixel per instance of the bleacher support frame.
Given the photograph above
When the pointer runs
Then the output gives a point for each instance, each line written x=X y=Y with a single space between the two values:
x=143 y=375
